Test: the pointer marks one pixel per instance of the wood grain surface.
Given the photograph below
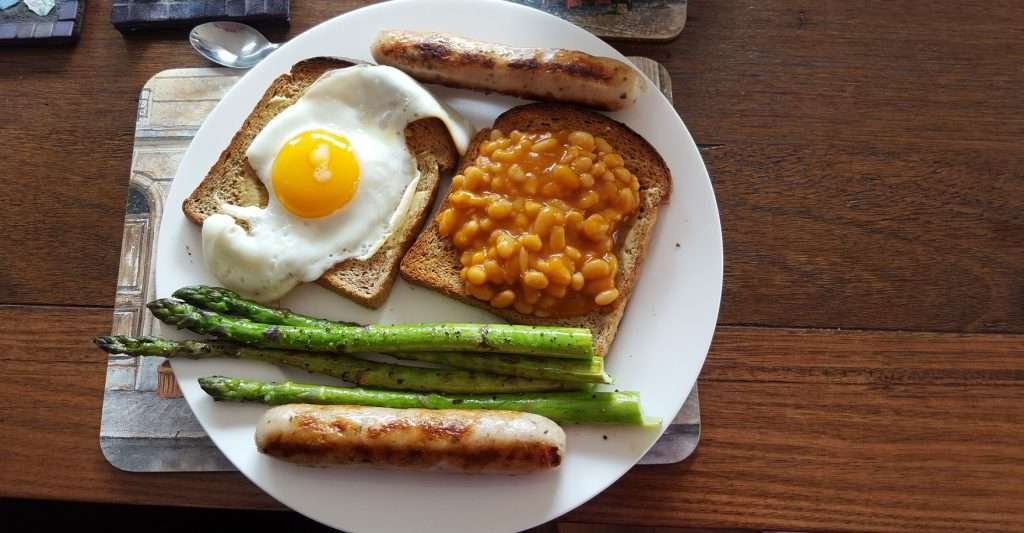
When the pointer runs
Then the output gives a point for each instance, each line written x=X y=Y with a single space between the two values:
x=802 y=429
x=866 y=161
x=870 y=175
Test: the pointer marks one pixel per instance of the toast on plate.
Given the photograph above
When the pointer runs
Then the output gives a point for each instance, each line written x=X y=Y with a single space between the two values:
x=433 y=260
x=232 y=180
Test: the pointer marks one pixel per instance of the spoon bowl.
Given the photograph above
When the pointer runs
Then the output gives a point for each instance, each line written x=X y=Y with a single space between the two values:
x=231 y=44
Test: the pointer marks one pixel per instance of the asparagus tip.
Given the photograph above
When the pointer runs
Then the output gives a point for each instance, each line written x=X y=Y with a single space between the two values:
x=109 y=344
x=209 y=384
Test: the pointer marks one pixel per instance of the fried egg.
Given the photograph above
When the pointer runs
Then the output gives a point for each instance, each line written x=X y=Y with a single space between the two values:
x=340 y=179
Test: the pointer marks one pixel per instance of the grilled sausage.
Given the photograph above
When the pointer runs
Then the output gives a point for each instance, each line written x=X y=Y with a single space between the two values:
x=453 y=440
x=536 y=73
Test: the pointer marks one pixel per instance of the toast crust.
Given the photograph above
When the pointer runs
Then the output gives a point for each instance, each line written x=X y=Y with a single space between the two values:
x=433 y=260
x=232 y=180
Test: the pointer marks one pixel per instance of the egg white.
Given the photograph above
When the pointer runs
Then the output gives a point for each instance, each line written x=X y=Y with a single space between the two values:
x=368 y=105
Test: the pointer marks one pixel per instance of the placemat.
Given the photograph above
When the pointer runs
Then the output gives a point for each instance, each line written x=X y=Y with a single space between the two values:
x=147 y=426
x=633 y=20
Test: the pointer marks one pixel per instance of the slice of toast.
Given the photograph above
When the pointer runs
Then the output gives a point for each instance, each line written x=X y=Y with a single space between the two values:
x=232 y=180
x=433 y=260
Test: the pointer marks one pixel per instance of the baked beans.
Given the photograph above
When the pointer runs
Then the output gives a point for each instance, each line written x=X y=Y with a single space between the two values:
x=537 y=218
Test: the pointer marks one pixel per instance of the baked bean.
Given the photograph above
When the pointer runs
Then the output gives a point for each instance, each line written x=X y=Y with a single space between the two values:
x=505 y=155
x=606 y=297
x=501 y=209
x=495 y=274
x=582 y=139
x=595 y=269
x=547 y=145
x=589 y=199
x=545 y=219
x=516 y=173
x=476 y=275
x=613 y=160
x=505 y=298
x=446 y=222
x=595 y=227
x=507 y=246
x=551 y=189
x=531 y=242
x=559 y=274
x=626 y=200
x=570 y=154
x=582 y=164
x=556 y=240
x=535 y=279
x=577 y=281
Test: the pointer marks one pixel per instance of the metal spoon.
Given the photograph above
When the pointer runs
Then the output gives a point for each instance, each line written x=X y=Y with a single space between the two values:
x=231 y=44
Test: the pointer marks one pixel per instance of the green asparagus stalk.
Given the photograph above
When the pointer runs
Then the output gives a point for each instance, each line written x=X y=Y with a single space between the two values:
x=566 y=370
x=562 y=407
x=572 y=343
x=351 y=369
x=227 y=302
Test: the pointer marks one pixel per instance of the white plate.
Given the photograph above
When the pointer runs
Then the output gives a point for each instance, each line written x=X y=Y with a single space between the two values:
x=659 y=351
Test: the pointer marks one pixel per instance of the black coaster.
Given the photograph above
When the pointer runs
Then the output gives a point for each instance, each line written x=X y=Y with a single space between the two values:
x=20 y=26
x=130 y=15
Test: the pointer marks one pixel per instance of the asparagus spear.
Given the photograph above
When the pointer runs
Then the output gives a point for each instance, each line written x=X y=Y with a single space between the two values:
x=225 y=301
x=562 y=407
x=353 y=370
x=572 y=343
x=565 y=370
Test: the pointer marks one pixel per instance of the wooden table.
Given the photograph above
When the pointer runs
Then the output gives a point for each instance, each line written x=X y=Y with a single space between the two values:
x=867 y=371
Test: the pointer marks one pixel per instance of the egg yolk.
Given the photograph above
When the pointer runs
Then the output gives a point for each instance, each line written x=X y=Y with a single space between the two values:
x=315 y=173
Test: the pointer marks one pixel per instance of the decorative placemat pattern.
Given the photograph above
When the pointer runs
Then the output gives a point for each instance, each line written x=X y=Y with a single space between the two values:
x=147 y=426
x=634 y=20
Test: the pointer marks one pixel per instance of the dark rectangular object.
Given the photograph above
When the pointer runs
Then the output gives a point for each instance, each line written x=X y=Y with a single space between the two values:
x=62 y=25
x=131 y=15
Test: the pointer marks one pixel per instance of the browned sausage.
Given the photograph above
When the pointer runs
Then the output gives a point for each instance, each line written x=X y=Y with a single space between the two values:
x=536 y=73
x=456 y=440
